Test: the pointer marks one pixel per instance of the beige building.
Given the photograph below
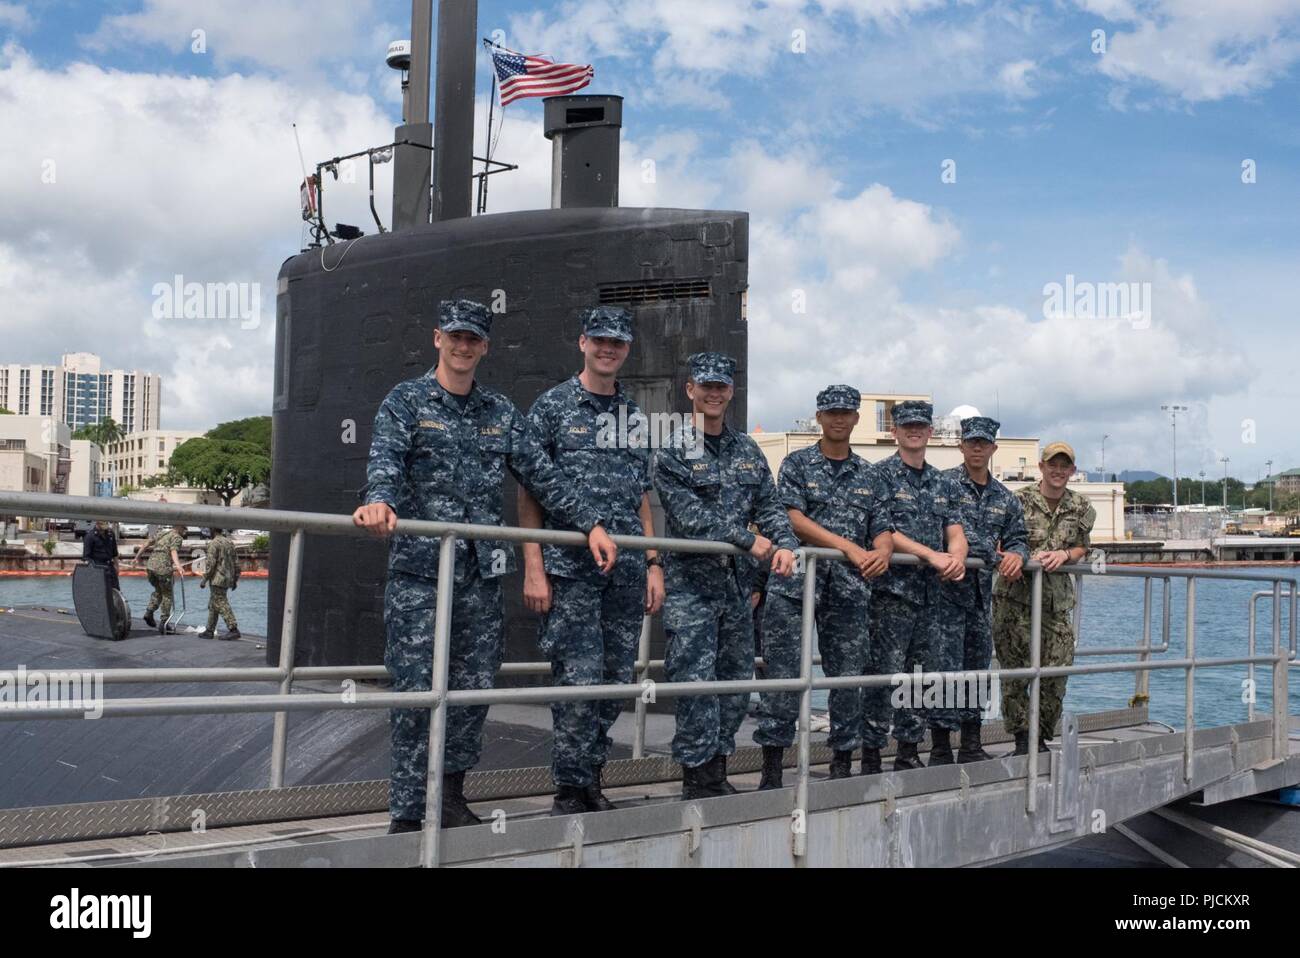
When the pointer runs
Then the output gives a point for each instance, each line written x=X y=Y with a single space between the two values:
x=87 y=468
x=143 y=455
x=80 y=392
x=1015 y=462
x=37 y=438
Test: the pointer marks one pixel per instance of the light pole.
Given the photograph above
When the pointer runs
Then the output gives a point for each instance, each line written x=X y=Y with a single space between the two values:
x=1202 y=487
x=1269 y=464
x=1103 y=456
x=1173 y=410
x=1224 y=460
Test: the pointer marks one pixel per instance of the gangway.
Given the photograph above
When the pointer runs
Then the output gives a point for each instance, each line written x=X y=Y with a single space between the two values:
x=1105 y=768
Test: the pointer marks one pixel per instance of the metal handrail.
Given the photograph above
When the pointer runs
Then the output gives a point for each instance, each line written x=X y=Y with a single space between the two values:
x=440 y=697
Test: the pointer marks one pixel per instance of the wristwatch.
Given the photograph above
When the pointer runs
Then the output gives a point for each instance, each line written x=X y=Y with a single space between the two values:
x=655 y=560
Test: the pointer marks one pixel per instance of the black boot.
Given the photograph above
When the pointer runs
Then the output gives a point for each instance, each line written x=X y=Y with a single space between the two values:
x=971 y=750
x=1022 y=744
x=149 y=620
x=592 y=795
x=695 y=782
x=1042 y=742
x=772 y=759
x=207 y=634
x=940 y=747
x=718 y=776
x=569 y=800
x=870 y=761
x=232 y=635
x=455 y=812
x=907 y=757
x=842 y=764
x=399 y=825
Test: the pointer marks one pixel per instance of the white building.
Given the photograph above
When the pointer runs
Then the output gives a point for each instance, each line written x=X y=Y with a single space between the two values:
x=87 y=468
x=80 y=392
x=143 y=455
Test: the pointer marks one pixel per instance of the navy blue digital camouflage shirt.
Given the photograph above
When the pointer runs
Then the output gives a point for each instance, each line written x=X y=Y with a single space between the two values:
x=991 y=519
x=431 y=460
x=922 y=504
x=716 y=497
x=847 y=500
x=606 y=454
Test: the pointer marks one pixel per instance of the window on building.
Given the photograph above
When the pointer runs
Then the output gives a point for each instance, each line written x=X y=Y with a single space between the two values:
x=162 y=445
x=880 y=416
x=162 y=463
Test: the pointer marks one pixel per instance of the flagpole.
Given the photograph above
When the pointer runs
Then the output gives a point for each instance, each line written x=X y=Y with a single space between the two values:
x=487 y=151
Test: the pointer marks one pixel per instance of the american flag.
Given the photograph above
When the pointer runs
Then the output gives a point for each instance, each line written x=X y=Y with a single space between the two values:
x=519 y=76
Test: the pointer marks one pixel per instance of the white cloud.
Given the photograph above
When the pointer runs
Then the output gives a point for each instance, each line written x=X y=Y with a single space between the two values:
x=14 y=16
x=1199 y=50
x=1014 y=78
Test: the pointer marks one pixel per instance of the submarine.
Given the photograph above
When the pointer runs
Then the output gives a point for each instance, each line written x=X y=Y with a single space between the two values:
x=355 y=317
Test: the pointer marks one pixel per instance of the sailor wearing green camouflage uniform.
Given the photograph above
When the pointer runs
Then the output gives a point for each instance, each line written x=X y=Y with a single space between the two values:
x=597 y=436
x=994 y=525
x=163 y=561
x=905 y=628
x=440 y=449
x=713 y=481
x=1059 y=524
x=220 y=574
x=834 y=501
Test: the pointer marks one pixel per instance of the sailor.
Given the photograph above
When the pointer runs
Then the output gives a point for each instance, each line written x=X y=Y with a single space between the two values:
x=597 y=436
x=835 y=502
x=713 y=481
x=221 y=573
x=440 y=449
x=1059 y=524
x=905 y=628
x=99 y=547
x=163 y=560
x=994 y=525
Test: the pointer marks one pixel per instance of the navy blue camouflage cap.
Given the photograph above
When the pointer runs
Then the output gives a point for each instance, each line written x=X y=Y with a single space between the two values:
x=980 y=427
x=912 y=411
x=838 y=397
x=464 y=314
x=614 y=322
x=712 y=368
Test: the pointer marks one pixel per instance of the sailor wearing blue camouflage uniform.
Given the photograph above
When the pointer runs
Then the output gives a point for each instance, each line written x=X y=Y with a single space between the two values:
x=713 y=482
x=994 y=524
x=441 y=446
x=905 y=627
x=834 y=501
x=591 y=621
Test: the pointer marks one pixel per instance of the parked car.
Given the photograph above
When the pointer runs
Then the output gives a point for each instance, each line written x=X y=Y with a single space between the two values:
x=133 y=530
x=198 y=532
x=83 y=526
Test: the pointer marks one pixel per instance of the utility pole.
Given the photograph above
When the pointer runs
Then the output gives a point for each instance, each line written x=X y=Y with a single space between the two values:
x=1174 y=410
x=1103 y=457
x=1224 y=460
x=1202 y=487
x=1269 y=465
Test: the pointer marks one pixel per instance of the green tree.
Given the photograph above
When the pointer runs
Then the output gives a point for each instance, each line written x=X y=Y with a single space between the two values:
x=6 y=412
x=256 y=430
x=102 y=433
x=223 y=466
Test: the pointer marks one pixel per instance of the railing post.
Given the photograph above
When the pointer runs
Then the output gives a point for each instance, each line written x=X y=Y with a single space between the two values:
x=805 y=708
x=1189 y=692
x=288 y=648
x=1035 y=663
x=431 y=846
x=1281 y=717
x=1251 y=687
x=1141 y=694
x=1078 y=608
x=642 y=672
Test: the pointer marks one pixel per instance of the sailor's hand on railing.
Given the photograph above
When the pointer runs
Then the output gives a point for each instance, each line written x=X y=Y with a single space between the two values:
x=762 y=548
x=949 y=567
x=783 y=562
x=1010 y=566
x=1052 y=560
x=870 y=563
x=537 y=591
x=602 y=548
x=376 y=517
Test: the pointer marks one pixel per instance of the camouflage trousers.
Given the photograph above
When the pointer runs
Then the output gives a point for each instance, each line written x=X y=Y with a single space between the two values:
x=842 y=642
x=162 y=595
x=710 y=629
x=477 y=647
x=967 y=645
x=1011 y=637
x=591 y=635
x=219 y=605
x=904 y=637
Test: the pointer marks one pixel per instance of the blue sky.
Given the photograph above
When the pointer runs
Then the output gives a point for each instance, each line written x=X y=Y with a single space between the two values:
x=1121 y=165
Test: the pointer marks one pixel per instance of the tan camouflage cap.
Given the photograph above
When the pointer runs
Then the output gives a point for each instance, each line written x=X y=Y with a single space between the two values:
x=1058 y=449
